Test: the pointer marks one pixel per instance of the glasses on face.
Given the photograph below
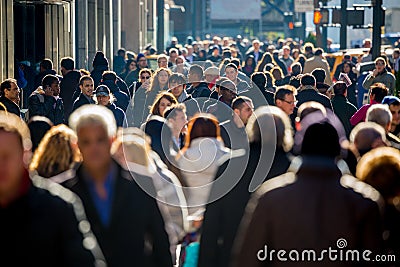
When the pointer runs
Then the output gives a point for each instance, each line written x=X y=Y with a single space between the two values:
x=162 y=61
x=289 y=102
x=379 y=64
x=141 y=60
x=144 y=77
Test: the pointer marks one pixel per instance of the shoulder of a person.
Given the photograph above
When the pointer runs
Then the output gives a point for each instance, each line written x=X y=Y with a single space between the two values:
x=364 y=190
x=269 y=186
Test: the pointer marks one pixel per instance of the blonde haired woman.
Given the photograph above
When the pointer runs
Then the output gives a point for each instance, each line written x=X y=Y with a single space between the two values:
x=57 y=152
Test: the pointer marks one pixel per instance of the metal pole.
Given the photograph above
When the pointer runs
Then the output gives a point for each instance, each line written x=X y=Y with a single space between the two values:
x=160 y=26
x=376 y=30
x=343 y=27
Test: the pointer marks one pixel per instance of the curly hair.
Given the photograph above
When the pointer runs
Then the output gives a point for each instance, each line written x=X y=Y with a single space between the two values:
x=56 y=152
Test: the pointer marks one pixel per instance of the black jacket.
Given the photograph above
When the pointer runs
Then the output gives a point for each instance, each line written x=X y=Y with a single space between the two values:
x=42 y=105
x=122 y=98
x=80 y=101
x=10 y=106
x=119 y=114
x=200 y=90
x=68 y=85
x=40 y=229
x=307 y=95
x=222 y=217
x=135 y=219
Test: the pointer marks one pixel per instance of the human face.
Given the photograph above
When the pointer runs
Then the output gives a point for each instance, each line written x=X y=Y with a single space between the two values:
x=56 y=88
x=164 y=103
x=245 y=111
x=132 y=66
x=162 y=63
x=249 y=61
x=256 y=45
x=145 y=77
x=210 y=77
x=231 y=74
x=142 y=63
x=94 y=144
x=173 y=56
x=193 y=78
x=227 y=95
x=176 y=88
x=287 y=104
x=179 y=122
x=346 y=68
x=87 y=88
x=395 y=110
x=380 y=65
x=11 y=163
x=103 y=100
x=163 y=77
x=179 y=61
x=12 y=93
x=286 y=52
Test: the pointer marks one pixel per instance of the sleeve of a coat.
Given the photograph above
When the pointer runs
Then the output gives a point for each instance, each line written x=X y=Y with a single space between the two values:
x=161 y=246
x=252 y=236
x=368 y=81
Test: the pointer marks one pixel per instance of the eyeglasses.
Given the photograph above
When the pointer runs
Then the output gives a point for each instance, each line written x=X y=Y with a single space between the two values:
x=289 y=102
x=142 y=60
x=144 y=77
x=379 y=64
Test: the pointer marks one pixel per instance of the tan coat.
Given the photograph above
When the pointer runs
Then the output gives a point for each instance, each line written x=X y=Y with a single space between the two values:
x=318 y=62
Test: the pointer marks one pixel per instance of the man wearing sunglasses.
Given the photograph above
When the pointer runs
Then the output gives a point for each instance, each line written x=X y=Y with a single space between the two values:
x=380 y=75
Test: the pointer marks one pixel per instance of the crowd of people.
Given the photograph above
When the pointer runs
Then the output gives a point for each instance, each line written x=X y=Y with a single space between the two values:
x=226 y=147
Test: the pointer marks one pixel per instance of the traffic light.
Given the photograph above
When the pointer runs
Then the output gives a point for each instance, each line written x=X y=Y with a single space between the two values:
x=321 y=16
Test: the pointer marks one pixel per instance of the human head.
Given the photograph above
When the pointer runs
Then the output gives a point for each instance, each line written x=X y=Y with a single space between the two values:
x=381 y=115
x=67 y=64
x=15 y=146
x=196 y=74
x=211 y=74
x=307 y=80
x=162 y=101
x=96 y=128
x=109 y=76
x=318 y=52
x=231 y=71
x=46 y=64
x=228 y=91
x=340 y=88
x=160 y=79
x=394 y=106
x=176 y=116
x=145 y=75
x=277 y=73
x=202 y=125
x=100 y=60
x=9 y=89
x=296 y=69
x=86 y=85
x=102 y=95
x=243 y=107
x=366 y=136
x=256 y=44
x=314 y=145
x=141 y=61
x=162 y=61
x=381 y=169
x=51 y=81
x=56 y=152
x=319 y=75
x=380 y=64
x=285 y=98
x=286 y=51
x=378 y=91
x=130 y=65
x=173 y=54
x=262 y=120
x=259 y=79
x=38 y=127
x=176 y=84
